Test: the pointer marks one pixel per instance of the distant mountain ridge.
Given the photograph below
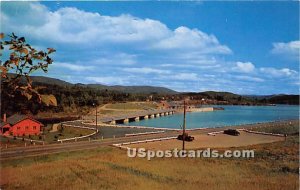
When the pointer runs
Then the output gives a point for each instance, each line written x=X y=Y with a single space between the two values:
x=134 y=89
x=265 y=99
x=49 y=80
x=276 y=99
x=125 y=89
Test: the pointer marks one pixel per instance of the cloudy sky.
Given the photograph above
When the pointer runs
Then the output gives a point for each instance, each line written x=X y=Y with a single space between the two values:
x=240 y=47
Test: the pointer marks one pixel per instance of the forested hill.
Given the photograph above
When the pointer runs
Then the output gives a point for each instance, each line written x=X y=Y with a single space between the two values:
x=220 y=96
x=78 y=96
x=284 y=99
x=49 y=81
x=134 y=89
x=232 y=98
x=277 y=98
x=124 y=89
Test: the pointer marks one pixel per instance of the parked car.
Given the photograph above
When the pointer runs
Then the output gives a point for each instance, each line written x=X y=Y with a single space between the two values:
x=233 y=132
x=187 y=137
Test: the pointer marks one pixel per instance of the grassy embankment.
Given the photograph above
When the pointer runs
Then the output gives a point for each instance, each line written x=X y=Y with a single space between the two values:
x=275 y=166
x=120 y=108
x=289 y=128
x=65 y=132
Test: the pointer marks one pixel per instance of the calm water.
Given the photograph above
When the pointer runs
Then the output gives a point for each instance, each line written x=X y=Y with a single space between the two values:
x=232 y=115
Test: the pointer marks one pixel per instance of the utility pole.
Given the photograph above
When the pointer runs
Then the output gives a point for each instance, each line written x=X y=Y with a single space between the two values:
x=96 y=118
x=94 y=104
x=183 y=130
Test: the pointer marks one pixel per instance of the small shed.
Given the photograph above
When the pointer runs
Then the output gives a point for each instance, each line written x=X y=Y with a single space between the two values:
x=4 y=128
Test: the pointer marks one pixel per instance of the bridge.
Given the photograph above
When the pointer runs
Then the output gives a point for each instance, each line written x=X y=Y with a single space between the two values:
x=136 y=116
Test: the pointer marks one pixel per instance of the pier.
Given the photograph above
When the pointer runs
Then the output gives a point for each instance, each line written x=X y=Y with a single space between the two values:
x=125 y=118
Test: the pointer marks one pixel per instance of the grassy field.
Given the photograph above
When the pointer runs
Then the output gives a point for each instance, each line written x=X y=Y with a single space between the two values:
x=275 y=166
x=10 y=142
x=67 y=132
x=132 y=106
x=105 y=112
x=289 y=128
x=121 y=108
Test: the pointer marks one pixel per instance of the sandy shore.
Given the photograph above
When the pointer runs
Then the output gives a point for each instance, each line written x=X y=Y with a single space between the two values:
x=208 y=141
x=203 y=140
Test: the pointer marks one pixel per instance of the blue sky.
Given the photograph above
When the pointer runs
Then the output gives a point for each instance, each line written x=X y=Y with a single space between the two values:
x=240 y=47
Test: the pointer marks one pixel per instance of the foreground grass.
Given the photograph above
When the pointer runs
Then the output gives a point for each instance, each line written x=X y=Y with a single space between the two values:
x=275 y=166
x=10 y=142
x=289 y=128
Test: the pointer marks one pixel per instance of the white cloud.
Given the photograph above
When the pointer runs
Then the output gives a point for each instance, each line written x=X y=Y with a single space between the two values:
x=73 y=67
x=245 y=67
x=297 y=83
x=86 y=29
x=273 y=72
x=289 y=50
x=108 y=80
x=184 y=38
x=181 y=76
x=166 y=65
x=146 y=70
x=115 y=59
x=249 y=78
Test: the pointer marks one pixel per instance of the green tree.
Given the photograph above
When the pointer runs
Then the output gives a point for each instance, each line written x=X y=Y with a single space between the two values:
x=15 y=72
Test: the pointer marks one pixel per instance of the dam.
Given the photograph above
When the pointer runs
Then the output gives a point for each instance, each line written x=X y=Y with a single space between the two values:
x=137 y=116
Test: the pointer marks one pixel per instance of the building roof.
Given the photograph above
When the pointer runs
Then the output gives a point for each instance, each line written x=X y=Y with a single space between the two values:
x=2 y=123
x=16 y=118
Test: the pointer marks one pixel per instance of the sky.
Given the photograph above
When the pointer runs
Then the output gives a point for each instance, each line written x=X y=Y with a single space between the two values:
x=192 y=46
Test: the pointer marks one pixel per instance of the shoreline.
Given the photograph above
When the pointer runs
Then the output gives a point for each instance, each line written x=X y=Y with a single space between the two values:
x=249 y=124
x=212 y=137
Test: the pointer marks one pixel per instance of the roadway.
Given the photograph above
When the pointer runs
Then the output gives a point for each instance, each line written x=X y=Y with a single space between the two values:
x=37 y=150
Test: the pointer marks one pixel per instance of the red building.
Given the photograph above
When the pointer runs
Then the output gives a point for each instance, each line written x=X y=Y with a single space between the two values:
x=4 y=127
x=20 y=125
